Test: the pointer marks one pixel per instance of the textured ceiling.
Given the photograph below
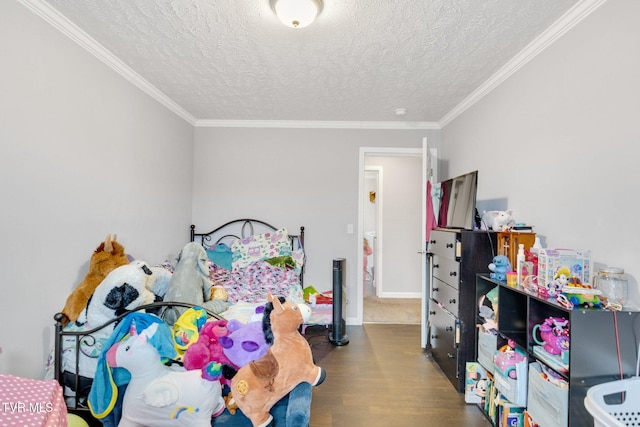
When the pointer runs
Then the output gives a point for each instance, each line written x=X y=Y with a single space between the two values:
x=358 y=62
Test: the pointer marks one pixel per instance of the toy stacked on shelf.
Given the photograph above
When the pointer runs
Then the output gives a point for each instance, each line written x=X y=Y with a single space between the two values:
x=552 y=339
x=551 y=262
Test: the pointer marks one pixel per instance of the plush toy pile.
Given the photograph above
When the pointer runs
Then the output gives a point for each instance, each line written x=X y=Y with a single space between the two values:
x=230 y=343
x=259 y=385
x=207 y=348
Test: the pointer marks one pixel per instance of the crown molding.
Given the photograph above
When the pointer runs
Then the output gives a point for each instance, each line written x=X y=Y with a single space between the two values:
x=566 y=22
x=68 y=28
x=561 y=26
x=310 y=124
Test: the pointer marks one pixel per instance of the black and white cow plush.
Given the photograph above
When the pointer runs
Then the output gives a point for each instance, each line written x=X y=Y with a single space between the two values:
x=125 y=288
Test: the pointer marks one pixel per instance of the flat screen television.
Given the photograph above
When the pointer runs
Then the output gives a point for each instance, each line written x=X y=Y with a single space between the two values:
x=458 y=202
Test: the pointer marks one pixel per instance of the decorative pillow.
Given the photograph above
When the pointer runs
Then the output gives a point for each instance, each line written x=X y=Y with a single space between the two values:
x=260 y=247
x=298 y=258
x=221 y=255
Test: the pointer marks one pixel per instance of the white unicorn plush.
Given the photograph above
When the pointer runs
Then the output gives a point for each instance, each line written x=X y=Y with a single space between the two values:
x=158 y=395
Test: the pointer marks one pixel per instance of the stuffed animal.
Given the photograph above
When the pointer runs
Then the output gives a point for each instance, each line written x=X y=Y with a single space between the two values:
x=107 y=256
x=219 y=292
x=497 y=220
x=124 y=288
x=500 y=267
x=186 y=330
x=487 y=310
x=259 y=385
x=159 y=283
x=158 y=395
x=207 y=348
x=245 y=343
x=190 y=282
x=107 y=388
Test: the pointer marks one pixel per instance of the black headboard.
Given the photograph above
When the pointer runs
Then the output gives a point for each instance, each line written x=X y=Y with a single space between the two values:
x=243 y=228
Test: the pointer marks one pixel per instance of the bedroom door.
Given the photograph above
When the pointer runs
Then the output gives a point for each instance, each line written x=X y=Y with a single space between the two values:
x=429 y=173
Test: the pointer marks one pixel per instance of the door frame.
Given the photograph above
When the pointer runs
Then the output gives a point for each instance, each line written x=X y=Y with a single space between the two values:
x=364 y=152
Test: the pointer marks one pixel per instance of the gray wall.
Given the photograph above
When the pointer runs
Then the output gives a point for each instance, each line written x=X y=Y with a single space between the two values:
x=558 y=141
x=291 y=177
x=84 y=154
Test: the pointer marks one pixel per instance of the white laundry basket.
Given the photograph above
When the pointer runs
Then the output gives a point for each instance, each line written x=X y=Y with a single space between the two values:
x=622 y=414
x=623 y=406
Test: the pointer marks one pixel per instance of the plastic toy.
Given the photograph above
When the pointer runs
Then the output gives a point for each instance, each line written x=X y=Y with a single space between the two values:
x=552 y=335
x=582 y=296
x=506 y=360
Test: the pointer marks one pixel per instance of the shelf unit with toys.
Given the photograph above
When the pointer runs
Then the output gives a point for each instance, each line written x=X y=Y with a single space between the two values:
x=567 y=352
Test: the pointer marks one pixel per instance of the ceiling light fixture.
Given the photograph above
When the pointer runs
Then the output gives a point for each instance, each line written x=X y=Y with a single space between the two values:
x=296 y=13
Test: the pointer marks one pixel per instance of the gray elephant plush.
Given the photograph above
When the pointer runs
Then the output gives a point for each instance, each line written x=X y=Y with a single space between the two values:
x=190 y=283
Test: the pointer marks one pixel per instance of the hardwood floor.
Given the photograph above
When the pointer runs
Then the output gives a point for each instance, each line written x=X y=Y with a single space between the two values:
x=383 y=378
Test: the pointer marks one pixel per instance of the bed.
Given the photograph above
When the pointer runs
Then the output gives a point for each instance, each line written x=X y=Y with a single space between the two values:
x=249 y=258
x=244 y=255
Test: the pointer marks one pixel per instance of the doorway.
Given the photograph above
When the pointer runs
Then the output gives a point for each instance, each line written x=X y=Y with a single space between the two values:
x=397 y=265
x=372 y=218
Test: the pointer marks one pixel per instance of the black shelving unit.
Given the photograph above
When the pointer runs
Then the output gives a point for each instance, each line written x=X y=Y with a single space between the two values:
x=593 y=353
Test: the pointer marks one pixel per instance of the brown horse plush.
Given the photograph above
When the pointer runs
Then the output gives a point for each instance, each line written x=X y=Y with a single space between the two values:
x=107 y=257
x=256 y=387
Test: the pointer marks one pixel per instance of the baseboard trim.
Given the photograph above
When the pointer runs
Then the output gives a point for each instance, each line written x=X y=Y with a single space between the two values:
x=400 y=295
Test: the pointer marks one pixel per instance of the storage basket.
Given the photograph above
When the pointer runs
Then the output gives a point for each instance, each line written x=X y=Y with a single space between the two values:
x=608 y=412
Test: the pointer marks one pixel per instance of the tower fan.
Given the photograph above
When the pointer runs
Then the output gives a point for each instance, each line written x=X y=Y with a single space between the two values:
x=338 y=334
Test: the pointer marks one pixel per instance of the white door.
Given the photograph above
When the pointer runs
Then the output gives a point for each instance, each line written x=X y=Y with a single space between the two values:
x=429 y=172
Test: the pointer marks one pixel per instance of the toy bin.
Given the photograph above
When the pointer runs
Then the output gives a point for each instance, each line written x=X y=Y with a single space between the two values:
x=615 y=403
x=487 y=345
x=548 y=402
x=510 y=376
